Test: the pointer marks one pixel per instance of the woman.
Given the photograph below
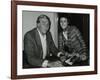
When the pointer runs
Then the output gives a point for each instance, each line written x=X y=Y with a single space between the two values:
x=71 y=42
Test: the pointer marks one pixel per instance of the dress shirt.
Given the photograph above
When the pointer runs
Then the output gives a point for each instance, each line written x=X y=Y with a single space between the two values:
x=44 y=44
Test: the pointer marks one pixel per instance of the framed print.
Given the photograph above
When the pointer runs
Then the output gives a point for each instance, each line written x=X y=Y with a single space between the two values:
x=53 y=39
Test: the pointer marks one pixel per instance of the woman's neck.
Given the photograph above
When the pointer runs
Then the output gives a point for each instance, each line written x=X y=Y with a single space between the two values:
x=66 y=29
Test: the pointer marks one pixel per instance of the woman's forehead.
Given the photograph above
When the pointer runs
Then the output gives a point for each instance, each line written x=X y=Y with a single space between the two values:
x=63 y=18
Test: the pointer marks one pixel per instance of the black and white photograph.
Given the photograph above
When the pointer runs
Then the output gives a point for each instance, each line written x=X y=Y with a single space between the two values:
x=52 y=39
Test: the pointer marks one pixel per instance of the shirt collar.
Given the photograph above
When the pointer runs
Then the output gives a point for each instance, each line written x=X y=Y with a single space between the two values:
x=41 y=35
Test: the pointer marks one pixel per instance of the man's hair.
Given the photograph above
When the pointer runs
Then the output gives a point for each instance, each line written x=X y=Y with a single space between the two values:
x=43 y=16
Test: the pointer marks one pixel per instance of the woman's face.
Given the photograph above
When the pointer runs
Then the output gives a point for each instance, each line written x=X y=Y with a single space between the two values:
x=63 y=22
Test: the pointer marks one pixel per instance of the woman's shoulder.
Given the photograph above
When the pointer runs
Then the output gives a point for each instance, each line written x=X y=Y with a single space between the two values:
x=72 y=27
x=60 y=33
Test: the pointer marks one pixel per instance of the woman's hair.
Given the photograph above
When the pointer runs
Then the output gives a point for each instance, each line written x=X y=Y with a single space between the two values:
x=67 y=17
x=63 y=16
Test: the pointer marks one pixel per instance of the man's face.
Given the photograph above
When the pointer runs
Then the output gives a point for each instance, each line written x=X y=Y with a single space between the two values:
x=63 y=22
x=43 y=25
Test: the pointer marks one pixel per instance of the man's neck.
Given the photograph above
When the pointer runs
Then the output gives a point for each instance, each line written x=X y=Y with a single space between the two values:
x=40 y=32
x=66 y=29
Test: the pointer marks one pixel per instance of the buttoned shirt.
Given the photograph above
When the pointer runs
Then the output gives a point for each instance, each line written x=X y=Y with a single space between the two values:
x=44 y=44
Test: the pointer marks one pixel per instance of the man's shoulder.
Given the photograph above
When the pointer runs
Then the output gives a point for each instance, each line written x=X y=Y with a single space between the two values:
x=31 y=32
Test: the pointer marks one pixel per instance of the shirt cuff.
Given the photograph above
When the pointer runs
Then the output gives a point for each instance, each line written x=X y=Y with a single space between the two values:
x=59 y=54
x=45 y=63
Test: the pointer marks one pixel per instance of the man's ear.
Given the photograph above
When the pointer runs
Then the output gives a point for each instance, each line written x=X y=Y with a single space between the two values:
x=38 y=25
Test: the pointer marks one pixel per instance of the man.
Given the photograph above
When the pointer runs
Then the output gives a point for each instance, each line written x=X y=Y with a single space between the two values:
x=38 y=44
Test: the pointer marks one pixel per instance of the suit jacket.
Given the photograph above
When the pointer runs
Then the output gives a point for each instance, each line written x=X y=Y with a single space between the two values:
x=33 y=47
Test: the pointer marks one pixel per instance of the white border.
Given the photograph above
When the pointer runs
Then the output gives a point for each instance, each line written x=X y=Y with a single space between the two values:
x=21 y=71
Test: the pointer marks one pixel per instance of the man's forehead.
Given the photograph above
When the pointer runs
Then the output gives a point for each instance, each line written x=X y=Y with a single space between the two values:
x=43 y=18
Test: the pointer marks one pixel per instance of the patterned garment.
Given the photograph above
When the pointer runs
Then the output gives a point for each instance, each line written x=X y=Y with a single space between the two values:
x=75 y=43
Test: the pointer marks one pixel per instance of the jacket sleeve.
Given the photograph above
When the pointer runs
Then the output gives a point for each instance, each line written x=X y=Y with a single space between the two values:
x=82 y=48
x=79 y=44
x=52 y=48
x=29 y=49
